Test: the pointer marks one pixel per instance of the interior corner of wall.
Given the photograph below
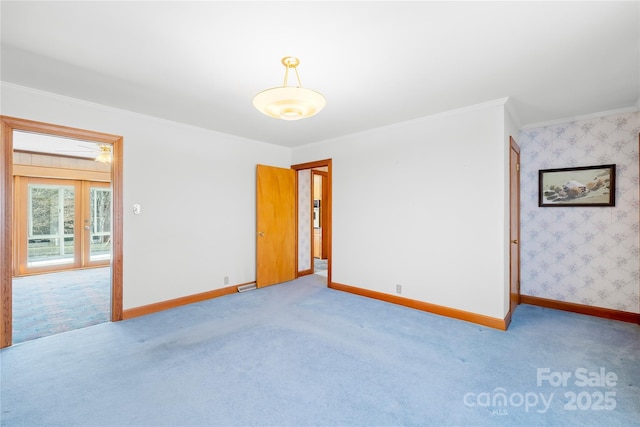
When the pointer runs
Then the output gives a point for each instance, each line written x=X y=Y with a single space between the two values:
x=512 y=113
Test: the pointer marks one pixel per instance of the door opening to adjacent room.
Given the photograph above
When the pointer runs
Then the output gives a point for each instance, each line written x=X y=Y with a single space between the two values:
x=285 y=222
x=62 y=236
x=61 y=228
x=314 y=206
x=514 y=226
x=319 y=241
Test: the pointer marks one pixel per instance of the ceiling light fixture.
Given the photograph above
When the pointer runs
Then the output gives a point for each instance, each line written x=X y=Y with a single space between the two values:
x=105 y=154
x=289 y=102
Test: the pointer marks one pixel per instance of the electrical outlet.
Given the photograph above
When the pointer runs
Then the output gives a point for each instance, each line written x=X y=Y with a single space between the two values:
x=398 y=289
x=226 y=280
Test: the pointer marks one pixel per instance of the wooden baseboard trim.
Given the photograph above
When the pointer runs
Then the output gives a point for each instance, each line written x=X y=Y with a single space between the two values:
x=480 y=319
x=607 y=313
x=143 y=310
x=507 y=321
x=305 y=272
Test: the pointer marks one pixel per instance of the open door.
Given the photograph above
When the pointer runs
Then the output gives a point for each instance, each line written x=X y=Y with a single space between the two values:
x=514 y=224
x=275 y=225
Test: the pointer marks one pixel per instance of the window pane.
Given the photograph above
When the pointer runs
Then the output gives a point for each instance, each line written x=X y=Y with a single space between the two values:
x=51 y=225
x=100 y=224
x=44 y=211
x=69 y=210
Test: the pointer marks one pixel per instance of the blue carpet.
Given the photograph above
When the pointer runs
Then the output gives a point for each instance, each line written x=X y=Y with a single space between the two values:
x=319 y=264
x=47 y=304
x=300 y=354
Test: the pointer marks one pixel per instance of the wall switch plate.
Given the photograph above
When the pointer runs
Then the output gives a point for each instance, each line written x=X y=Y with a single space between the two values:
x=398 y=289
x=226 y=280
x=137 y=209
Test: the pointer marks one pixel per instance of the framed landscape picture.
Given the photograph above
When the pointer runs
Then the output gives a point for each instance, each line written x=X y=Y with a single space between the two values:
x=581 y=186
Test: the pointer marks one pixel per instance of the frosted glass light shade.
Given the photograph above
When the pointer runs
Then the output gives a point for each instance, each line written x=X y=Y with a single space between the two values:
x=105 y=154
x=289 y=103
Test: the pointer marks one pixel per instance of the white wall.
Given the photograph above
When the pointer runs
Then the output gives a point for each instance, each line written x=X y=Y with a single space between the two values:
x=196 y=189
x=583 y=255
x=421 y=204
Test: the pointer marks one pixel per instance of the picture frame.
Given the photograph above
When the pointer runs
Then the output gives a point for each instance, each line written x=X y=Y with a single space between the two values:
x=578 y=186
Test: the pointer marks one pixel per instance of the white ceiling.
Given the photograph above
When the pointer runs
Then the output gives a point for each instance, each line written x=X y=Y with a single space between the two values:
x=377 y=63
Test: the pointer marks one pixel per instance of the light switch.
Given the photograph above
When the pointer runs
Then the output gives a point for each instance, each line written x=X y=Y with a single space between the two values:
x=137 y=209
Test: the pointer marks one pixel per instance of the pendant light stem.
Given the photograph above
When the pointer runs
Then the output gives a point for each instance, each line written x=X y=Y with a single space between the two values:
x=290 y=62
x=298 y=76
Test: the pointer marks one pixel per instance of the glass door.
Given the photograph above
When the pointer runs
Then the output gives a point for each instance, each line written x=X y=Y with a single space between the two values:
x=51 y=225
x=62 y=224
x=97 y=224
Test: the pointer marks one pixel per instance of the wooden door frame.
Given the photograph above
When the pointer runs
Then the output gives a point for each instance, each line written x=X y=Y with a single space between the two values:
x=328 y=205
x=86 y=218
x=323 y=215
x=514 y=147
x=7 y=126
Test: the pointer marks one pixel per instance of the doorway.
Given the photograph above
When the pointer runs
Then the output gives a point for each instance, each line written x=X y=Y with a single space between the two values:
x=315 y=218
x=55 y=197
x=319 y=244
x=62 y=248
x=514 y=226
x=284 y=207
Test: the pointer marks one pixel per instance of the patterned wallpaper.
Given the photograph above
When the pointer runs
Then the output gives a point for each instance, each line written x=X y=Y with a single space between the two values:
x=304 y=225
x=582 y=255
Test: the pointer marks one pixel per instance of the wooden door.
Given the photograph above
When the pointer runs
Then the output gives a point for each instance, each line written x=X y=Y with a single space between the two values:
x=514 y=224
x=324 y=215
x=275 y=225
